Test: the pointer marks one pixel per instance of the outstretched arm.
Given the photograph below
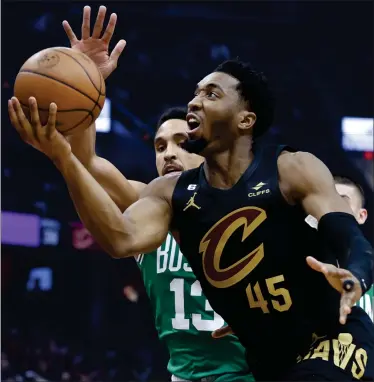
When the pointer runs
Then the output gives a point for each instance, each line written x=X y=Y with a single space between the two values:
x=95 y=44
x=306 y=180
x=122 y=191
x=142 y=228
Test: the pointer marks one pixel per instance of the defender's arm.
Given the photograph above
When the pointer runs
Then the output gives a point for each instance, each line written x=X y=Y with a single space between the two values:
x=142 y=228
x=122 y=191
x=305 y=179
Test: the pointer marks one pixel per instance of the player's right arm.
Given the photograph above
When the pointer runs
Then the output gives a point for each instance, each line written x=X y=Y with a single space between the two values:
x=141 y=229
x=96 y=46
x=122 y=191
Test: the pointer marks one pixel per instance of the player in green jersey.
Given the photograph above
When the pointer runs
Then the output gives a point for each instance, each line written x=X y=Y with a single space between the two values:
x=183 y=316
x=354 y=195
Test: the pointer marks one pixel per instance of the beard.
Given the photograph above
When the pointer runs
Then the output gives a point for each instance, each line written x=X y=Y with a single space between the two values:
x=195 y=146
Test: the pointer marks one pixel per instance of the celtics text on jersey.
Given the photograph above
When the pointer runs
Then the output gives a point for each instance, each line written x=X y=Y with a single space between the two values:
x=184 y=318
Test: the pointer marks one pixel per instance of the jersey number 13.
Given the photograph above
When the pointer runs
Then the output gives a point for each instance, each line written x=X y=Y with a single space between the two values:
x=180 y=321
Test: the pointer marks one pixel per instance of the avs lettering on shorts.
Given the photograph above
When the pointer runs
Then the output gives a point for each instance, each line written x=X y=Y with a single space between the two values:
x=195 y=146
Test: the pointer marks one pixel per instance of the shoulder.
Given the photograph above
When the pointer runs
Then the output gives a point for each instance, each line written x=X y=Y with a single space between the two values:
x=301 y=172
x=161 y=187
x=137 y=186
x=296 y=160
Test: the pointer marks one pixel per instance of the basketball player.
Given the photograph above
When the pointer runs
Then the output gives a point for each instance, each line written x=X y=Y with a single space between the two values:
x=183 y=316
x=247 y=244
x=354 y=195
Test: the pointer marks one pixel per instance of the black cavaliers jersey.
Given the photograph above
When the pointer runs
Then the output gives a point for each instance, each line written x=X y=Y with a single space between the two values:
x=247 y=247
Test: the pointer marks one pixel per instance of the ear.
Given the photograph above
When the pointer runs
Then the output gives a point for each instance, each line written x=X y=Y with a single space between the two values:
x=246 y=121
x=362 y=216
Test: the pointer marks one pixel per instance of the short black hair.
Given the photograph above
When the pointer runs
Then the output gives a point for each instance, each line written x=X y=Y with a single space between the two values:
x=253 y=88
x=177 y=112
x=350 y=182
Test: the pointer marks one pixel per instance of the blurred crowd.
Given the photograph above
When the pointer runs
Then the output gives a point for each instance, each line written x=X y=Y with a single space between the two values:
x=95 y=325
x=40 y=357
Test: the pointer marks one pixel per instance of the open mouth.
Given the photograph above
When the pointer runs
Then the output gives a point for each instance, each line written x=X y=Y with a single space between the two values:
x=194 y=124
x=171 y=169
x=193 y=121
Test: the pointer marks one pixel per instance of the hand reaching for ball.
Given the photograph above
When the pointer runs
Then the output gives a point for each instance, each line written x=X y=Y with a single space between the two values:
x=43 y=138
x=92 y=45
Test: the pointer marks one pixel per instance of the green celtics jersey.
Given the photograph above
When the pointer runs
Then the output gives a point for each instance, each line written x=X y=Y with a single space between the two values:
x=184 y=318
x=366 y=302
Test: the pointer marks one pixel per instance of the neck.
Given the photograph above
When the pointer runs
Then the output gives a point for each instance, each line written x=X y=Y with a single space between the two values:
x=224 y=169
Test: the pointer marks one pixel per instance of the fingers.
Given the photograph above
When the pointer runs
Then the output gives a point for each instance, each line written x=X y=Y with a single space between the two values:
x=108 y=34
x=99 y=22
x=23 y=122
x=222 y=332
x=315 y=264
x=34 y=114
x=86 y=22
x=327 y=269
x=346 y=303
x=69 y=32
x=117 y=51
x=348 y=297
x=51 y=124
x=14 y=118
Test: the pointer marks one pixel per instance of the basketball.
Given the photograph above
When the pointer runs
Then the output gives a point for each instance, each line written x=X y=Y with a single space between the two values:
x=66 y=77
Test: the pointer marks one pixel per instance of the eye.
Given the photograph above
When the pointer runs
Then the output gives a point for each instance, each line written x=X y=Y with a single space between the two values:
x=211 y=94
x=160 y=148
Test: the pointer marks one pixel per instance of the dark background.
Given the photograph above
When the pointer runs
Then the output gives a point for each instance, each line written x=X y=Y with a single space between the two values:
x=319 y=59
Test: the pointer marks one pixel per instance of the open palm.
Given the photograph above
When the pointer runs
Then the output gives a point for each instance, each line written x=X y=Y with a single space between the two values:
x=95 y=46
x=336 y=277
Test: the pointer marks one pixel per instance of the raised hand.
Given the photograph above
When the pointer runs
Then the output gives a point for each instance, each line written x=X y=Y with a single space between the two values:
x=43 y=138
x=336 y=277
x=92 y=45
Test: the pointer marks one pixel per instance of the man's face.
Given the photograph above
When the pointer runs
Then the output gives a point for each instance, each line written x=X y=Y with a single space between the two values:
x=170 y=157
x=351 y=195
x=216 y=110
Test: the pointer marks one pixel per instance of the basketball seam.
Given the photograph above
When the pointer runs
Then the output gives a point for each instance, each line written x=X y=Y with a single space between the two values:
x=64 y=83
x=60 y=111
x=88 y=75
x=93 y=84
x=89 y=114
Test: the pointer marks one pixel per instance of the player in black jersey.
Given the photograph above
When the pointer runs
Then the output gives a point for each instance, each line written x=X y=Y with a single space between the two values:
x=240 y=219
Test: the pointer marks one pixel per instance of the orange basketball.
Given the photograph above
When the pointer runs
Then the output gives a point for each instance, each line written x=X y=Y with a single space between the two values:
x=66 y=77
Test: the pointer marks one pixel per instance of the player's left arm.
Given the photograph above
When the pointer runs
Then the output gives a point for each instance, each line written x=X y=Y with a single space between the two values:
x=306 y=180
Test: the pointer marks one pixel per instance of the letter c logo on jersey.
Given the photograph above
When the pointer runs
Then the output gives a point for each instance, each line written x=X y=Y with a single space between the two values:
x=215 y=240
